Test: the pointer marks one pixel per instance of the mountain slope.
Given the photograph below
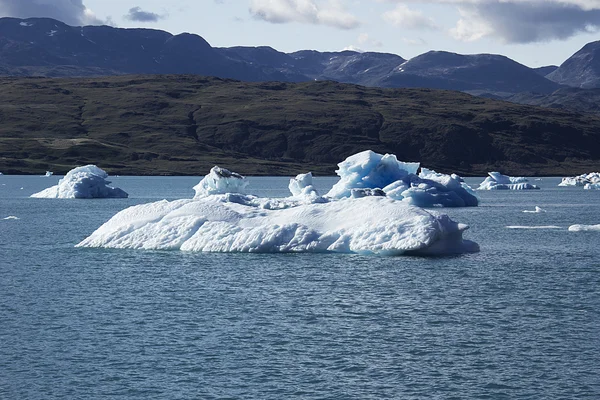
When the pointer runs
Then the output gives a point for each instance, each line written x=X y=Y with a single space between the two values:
x=473 y=73
x=186 y=124
x=581 y=70
x=45 y=47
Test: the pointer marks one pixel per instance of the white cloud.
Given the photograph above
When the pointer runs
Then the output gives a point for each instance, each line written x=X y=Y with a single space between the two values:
x=404 y=17
x=330 y=12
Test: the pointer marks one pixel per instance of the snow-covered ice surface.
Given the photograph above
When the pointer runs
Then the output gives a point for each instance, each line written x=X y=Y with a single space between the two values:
x=218 y=219
x=399 y=180
x=537 y=210
x=497 y=181
x=582 y=180
x=84 y=182
x=579 y=228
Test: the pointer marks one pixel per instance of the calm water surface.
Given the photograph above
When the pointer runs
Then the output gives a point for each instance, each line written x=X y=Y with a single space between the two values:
x=520 y=319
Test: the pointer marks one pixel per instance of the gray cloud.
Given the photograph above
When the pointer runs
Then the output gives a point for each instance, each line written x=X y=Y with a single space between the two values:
x=71 y=12
x=520 y=21
x=526 y=22
x=137 y=14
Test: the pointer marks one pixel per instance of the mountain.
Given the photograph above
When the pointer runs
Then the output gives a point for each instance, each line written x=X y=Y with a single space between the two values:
x=46 y=47
x=185 y=124
x=581 y=70
x=476 y=74
x=543 y=71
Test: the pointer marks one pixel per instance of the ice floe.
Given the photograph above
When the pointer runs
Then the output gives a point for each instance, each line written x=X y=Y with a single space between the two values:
x=11 y=217
x=579 y=228
x=497 y=181
x=581 y=180
x=82 y=183
x=221 y=218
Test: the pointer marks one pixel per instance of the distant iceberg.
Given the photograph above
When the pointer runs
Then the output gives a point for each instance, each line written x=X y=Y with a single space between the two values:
x=219 y=221
x=49 y=174
x=82 y=183
x=584 y=180
x=399 y=180
x=579 y=228
x=497 y=181
x=592 y=186
x=537 y=210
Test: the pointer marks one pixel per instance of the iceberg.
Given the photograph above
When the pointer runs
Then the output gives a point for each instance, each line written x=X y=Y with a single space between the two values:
x=49 y=174
x=580 y=228
x=84 y=182
x=592 y=186
x=214 y=221
x=537 y=210
x=592 y=178
x=11 y=217
x=497 y=181
x=370 y=173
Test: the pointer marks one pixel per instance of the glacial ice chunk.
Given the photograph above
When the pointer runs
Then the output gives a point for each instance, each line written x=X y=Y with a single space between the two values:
x=581 y=180
x=220 y=181
x=84 y=182
x=367 y=173
x=592 y=186
x=49 y=174
x=497 y=181
x=367 y=225
x=302 y=186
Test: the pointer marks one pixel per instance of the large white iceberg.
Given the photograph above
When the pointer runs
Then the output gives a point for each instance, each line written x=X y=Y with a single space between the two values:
x=497 y=181
x=370 y=173
x=305 y=222
x=591 y=179
x=84 y=182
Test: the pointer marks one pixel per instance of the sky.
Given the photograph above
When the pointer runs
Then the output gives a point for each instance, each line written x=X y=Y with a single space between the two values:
x=532 y=32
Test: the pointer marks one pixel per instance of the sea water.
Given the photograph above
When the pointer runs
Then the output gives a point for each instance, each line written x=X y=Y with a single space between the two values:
x=520 y=319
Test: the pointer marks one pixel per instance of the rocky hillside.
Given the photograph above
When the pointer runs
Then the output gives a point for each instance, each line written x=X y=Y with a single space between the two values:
x=186 y=124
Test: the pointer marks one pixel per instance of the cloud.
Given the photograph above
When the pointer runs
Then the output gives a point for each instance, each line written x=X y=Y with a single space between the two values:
x=525 y=22
x=137 y=14
x=325 y=12
x=404 y=17
x=71 y=12
x=514 y=21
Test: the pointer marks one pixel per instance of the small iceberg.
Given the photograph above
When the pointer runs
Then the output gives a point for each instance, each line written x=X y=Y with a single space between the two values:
x=85 y=182
x=584 y=180
x=580 y=228
x=497 y=181
x=592 y=186
x=11 y=217
x=49 y=174
x=537 y=210
x=221 y=218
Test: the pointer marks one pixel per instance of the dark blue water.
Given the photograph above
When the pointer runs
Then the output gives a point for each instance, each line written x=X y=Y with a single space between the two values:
x=520 y=319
